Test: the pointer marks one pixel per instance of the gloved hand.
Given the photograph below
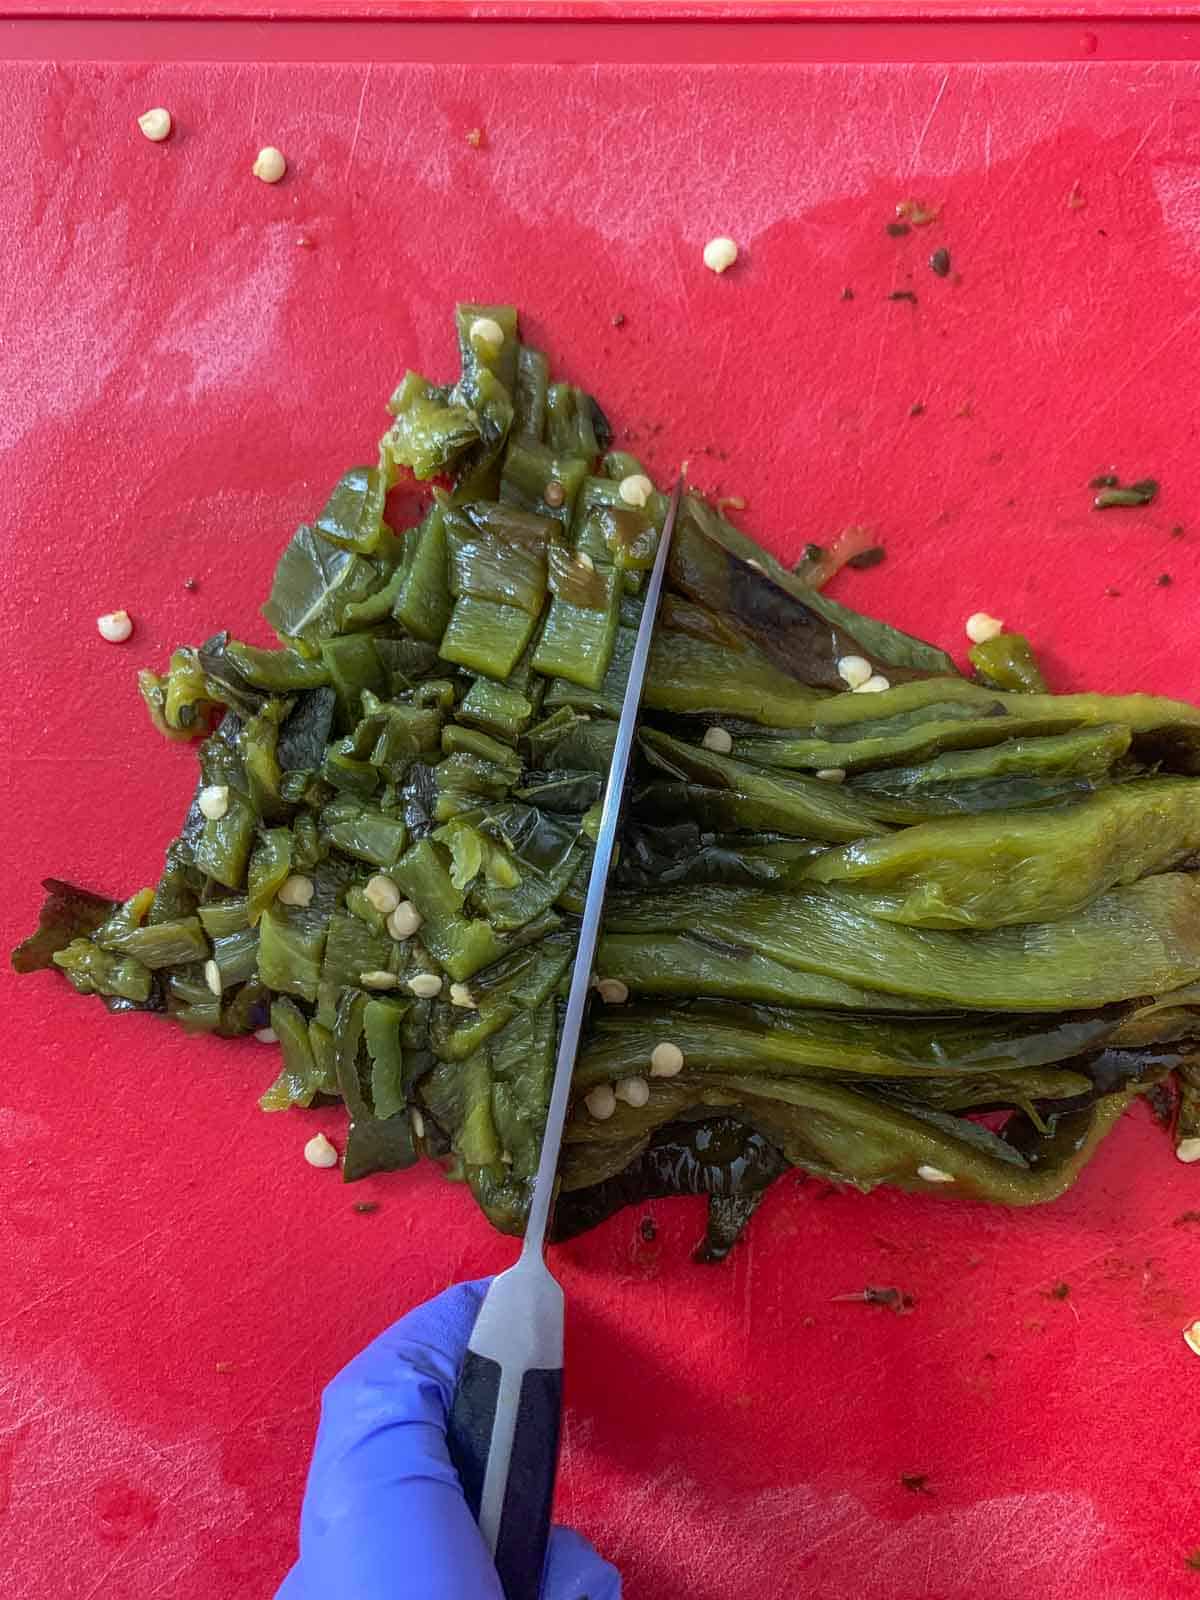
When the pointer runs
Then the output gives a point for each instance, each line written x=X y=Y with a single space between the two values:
x=384 y=1516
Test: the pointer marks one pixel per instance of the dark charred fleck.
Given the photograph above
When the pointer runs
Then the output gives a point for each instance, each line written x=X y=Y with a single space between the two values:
x=847 y=294
x=916 y=1482
x=868 y=558
x=1164 y=580
x=898 y=229
x=939 y=262
x=1060 y=1291
x=1161 y=1098
x=366 y=1207
x=618 y=320
x=903 y=294
x=917 y=409
x=648 y=1229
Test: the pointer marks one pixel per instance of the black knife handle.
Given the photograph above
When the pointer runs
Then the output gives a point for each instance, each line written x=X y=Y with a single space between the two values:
x=524 y=1526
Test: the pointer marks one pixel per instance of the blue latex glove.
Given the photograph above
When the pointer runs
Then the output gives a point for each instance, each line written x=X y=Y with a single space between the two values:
x=384 y=1516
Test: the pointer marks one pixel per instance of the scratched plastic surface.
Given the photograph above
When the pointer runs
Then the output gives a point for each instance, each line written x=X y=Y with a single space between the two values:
x=189 y=359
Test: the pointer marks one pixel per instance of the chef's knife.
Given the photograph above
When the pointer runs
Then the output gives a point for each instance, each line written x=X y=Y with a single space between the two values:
x=504 y=1423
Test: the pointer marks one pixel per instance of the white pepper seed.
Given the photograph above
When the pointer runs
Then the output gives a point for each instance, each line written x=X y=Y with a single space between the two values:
x=213 y=800
x=115 y=626
x=404 y=920
x=853 y=670
x=486 y=331
x=601 y=1102
x=666 y=1060
x=382 y=893
x=636 y=489
x=296 y=890
x=318 y=1152
x=634 y=1091
x=981 y=627
x=269 y=164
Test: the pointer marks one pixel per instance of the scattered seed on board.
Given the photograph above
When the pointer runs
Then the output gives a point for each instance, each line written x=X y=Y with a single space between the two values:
x=418 y=1124
x=404 y=920
x=426 y=985
x=1191 y=1337
x=666 y=1060
x=601 y=1102
x=269 y=164
x=720 y=254
x=486 y=331
x=155 y=124
x=854 y=670
x=318 y=1152
x=634 y=1091
x=636 y=489
x=875 y=684
x=212 y=977
x=213 y=800
x=831 y=774
x=461 y=996
x=382 y=893
x=377 y=978
x=296 y=890
x=981 y=627
x=719 y=740
x=934 y=1174
x=266 y=1035
x=612 y=991
x=115 y=626
x=1188 y=1150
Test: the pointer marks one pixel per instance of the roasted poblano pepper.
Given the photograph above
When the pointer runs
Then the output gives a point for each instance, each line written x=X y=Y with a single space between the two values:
x=843 y=926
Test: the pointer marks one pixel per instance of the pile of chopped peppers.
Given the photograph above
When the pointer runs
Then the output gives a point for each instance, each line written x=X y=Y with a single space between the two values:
x=986 y=903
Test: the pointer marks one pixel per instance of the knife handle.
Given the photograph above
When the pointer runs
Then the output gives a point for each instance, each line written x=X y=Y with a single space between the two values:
x=506 y=1418
x=524 y=1527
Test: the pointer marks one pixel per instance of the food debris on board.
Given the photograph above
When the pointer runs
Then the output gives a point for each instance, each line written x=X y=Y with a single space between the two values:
x=1112 y=494
x=893 y=1299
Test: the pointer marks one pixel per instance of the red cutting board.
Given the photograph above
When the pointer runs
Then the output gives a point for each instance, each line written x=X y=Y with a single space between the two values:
x=189 y=358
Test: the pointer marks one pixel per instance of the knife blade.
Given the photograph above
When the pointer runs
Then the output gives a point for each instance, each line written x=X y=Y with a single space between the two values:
x=504 y=1423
